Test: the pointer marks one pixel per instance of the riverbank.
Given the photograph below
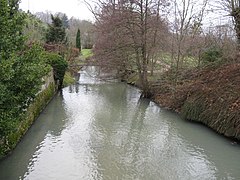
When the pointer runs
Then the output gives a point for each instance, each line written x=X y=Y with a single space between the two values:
x=209 y=95
x=74 y=66
x=9 y=142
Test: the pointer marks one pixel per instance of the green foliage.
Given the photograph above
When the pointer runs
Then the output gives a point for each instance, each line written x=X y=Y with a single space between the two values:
x=59 y=65
x=56 y=31
x=20 y=81
x=211 y=55
x=78 y=40
x=35 y=29
x=19 y=127
x=65 y=21
x=192 y=110
x=21 y=67
x=11 y=26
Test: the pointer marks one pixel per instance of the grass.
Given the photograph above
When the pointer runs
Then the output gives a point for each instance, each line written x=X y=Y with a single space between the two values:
x=77 y=63
x=68 y=79
x=86 y=53
x=207 y=95
x=188 y=61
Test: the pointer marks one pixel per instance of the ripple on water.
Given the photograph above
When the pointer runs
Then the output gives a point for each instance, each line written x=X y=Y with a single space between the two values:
x=104 y=131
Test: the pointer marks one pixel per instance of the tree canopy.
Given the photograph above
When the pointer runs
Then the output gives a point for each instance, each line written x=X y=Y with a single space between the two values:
x=129 y=35
x=11 y=26
x=56 y=31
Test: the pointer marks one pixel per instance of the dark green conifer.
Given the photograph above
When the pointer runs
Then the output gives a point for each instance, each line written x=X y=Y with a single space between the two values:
x=78 y=40
x=56 y=31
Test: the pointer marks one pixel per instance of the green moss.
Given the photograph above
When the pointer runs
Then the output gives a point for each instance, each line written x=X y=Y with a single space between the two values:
x=33 y=111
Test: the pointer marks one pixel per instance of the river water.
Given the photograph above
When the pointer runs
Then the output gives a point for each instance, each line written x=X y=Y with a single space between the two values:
x=103 y=131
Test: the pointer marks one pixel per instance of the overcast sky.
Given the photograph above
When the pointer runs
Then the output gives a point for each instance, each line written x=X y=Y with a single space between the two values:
x=78 y=9
x=75 y=8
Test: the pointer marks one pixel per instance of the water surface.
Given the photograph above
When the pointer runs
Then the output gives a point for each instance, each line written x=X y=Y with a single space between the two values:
x=103 y=130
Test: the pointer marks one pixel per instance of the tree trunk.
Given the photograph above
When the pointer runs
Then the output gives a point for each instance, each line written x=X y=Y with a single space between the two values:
x=236 y=16
x=152 y=66
x=144 y=84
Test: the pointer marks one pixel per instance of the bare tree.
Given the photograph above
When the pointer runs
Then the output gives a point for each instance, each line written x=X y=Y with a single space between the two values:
x=233 y=7
x=129 y=34
x=188 y=17
x=87 y=32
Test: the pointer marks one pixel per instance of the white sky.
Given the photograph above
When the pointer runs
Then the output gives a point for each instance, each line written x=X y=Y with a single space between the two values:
x=78 y=9
x=72 y=8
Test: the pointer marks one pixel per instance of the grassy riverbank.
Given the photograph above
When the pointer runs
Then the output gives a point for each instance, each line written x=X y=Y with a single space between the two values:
x=209 y=95
x=75 y=66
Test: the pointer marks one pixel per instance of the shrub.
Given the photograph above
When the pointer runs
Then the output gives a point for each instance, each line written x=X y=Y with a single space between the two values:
x=59 y=65
x=20 y=81
x=212 y=55
x=56 y=31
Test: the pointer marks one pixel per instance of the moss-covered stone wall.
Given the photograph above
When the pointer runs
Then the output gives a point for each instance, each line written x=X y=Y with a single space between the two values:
x=43 y=98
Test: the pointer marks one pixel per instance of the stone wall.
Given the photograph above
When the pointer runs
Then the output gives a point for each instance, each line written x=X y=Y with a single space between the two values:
x=42 y=99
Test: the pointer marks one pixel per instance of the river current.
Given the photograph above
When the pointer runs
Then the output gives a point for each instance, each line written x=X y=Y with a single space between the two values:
x=105 y=131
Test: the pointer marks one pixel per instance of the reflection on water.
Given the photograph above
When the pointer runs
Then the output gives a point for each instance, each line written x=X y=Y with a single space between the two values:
x=99 y=130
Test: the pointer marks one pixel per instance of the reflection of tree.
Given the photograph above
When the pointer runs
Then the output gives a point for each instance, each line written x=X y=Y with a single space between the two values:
x=111 y=112
x=140 y=113
x=77 y=88
x=70 y=89
x=51 y=120
x=57 y=115
x=119 y=124
x=114 y=101
x=73 y=88
x=87 y=89
x=134 y=134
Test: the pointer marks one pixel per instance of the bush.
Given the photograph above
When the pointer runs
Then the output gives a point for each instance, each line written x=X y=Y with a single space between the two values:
x=20 y=81
x=59 y=65
x=212 y=55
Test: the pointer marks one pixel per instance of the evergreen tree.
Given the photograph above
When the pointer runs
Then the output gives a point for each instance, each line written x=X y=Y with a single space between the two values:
x=56 y=31
x=78 y=40
x=65 y=21
x=21 y=68
x=11 y=27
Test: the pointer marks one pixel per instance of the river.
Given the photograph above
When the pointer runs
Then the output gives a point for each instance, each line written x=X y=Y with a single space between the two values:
x=104 y=131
